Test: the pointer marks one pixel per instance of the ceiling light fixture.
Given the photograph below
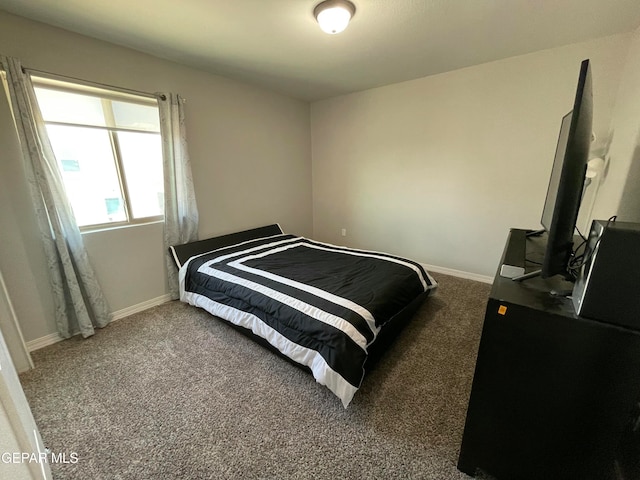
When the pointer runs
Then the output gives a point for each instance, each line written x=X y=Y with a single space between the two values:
x=333 y=16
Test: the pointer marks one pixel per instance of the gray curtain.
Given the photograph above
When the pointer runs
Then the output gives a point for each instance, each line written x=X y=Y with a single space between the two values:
x=180 y=208
x=79 y=303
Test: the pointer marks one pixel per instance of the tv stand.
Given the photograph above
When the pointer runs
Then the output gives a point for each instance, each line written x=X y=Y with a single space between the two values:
x=553 y=393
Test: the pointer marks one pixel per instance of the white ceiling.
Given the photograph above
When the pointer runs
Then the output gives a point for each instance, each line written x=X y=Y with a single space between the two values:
x=277 y=44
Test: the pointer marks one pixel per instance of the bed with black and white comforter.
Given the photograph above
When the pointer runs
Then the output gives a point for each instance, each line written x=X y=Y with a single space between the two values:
x=318 y=304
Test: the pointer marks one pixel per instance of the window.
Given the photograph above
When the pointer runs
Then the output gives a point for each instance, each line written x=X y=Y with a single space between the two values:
x=109 y=152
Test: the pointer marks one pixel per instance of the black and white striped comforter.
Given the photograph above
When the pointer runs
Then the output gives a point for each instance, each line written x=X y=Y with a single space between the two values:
x=319 y=304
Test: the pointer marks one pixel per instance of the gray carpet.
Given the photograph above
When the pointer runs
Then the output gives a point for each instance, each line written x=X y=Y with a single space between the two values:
x=174 y=393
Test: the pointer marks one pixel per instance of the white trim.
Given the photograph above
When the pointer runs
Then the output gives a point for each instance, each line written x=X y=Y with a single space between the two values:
x=13 y=333
x=45 y=341
x=140 y=307
x=459 y=273
x=52 y=338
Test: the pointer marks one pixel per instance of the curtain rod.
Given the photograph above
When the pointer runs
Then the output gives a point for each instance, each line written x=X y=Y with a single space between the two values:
x=90 y=83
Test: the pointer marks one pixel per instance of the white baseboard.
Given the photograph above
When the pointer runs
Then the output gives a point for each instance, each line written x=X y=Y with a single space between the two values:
x=125 y=312
x=52 y=338
x=458 y=273
x=45 y=341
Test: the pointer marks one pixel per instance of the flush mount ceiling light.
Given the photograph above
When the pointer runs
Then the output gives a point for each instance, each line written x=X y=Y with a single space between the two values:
x=333 y=16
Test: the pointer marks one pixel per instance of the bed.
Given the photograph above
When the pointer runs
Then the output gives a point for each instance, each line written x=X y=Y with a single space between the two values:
x=331 y=310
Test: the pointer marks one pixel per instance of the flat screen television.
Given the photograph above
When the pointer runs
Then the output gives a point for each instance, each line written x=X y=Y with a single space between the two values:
x=564 y=192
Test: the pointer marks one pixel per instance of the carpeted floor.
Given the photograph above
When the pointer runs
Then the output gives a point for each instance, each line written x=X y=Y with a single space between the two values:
x=174 y=393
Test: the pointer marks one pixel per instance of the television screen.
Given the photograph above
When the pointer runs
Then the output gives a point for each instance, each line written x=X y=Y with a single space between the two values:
x=556 y=172
x=567 y=179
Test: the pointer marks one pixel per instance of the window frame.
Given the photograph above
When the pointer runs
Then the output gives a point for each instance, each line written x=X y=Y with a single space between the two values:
x=106 y=96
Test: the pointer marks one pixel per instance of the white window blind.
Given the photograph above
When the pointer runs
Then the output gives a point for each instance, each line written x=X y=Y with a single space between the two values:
x=108 y=149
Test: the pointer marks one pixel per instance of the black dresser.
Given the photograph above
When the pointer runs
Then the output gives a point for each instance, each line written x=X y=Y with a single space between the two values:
x=554 y=395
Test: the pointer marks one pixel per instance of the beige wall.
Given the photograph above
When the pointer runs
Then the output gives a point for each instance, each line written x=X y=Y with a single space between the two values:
x=250 y=153
x=623 y=156
x=438 y=169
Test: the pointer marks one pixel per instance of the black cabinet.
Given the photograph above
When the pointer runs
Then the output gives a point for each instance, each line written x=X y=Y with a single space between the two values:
x=552 y=393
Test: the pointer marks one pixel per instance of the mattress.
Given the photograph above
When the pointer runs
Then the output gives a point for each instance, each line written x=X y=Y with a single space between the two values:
x=320 y=305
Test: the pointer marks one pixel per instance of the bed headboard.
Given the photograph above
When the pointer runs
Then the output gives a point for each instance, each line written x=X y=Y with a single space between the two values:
x=182 y=253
